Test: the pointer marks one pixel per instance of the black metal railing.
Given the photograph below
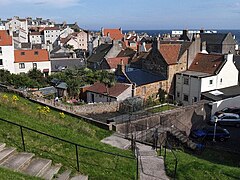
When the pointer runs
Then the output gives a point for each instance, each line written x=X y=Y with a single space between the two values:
x=168 y=146
x=69 y=142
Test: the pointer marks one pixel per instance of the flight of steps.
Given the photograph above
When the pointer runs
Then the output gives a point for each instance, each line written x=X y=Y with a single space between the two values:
x=27 y=163
x=183 y=138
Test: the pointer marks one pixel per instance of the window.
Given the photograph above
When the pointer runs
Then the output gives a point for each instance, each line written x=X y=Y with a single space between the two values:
x=221 y=81
x=21 y=65
x=0 y=50
x=1 y=62
x=178 y=94
x=35 y=52
x=185 y=97
x=210 y=82
x=185 y=81
x=194 y=99
x=34 y=65
x=22 y=53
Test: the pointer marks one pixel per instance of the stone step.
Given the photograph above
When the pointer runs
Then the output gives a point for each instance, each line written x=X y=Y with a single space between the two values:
x=51 y=172
x=17 y=161
x=2 y=145
x=6 y=153
x=37 y=167
x=183 y=139
x=80 y=177
x=65 y=175
x=147 y=153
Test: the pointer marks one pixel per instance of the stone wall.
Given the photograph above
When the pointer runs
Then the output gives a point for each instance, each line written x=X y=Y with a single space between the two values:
x=97 y=108
x=184 y=118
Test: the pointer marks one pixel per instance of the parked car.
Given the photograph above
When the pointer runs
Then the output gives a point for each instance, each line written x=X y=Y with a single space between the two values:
x=207 y=133
x=234 y=110
x=230 y=119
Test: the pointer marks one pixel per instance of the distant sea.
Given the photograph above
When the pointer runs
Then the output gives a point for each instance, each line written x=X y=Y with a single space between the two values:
x=156 y=32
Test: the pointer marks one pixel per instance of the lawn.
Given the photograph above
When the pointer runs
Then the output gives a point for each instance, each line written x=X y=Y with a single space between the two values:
x=211 y=164
x=6 y=174
x=95 y=164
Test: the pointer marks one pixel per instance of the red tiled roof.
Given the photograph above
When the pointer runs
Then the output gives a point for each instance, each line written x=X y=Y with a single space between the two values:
x=51 y=28
x=5 y=38
x=170 y=52
x=113 y=62
x=36 y=55
x=115 y=34
x=114 y=91
x=207 y=63
x=148 y=46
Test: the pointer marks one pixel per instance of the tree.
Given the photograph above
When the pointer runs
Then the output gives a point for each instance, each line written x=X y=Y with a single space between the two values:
x=107 y=79
x=162 y=95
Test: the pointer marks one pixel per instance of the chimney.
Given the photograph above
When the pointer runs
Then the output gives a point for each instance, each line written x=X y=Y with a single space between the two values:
x=156 y=44
x=204 y=47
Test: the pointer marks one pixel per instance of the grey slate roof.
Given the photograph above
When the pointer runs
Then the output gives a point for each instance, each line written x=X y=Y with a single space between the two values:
x=228 y=92
x=62 y=85
x=48 y=90
x=100 y=53
x=213 y=38
x=61 y=64
x=141 y=77
x=236 y=60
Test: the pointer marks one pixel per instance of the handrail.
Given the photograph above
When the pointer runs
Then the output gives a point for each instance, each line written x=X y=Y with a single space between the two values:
x=166 y=143
x=66 y=141
x=86 y=147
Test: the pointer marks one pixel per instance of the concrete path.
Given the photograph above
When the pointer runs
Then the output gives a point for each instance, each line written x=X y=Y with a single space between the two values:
x=151 y=166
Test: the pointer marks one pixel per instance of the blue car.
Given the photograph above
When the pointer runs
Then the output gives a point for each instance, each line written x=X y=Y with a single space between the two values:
x=208 y=134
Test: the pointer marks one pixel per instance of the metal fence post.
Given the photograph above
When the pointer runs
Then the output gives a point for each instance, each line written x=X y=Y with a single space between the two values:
x=24 y=149
x=137 y=167
x=78 y=169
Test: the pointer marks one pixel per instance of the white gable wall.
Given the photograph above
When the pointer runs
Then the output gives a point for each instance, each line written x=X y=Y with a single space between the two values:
x=7 y=57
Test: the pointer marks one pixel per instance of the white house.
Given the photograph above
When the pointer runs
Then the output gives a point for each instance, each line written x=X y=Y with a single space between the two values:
x=36 y=37
x=6 y=51
x=65 y=32
x=51 y=35
x=79 y=40
x=18 y=28
x=99 y=93
x=26 y=60
x=206 y=73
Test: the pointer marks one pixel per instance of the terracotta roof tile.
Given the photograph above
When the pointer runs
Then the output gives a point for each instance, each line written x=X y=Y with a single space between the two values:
x=207 y=63
x=170 y=52
x=115 y=34
x=113 y=62
x=5 y=38
x=114 y=91
x=36 y=55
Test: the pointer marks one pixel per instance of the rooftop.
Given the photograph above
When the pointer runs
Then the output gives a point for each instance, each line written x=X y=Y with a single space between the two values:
x=35 y=55
x=5 y=38
x=113 y=91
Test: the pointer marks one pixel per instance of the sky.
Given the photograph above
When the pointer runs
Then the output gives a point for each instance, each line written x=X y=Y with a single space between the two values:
x=130 y=14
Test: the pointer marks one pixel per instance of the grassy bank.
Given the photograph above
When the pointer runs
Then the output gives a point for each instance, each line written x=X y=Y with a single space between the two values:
x=95 y=164
x=211 y=164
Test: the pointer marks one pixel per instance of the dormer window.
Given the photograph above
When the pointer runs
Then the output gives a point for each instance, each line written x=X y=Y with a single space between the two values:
x=22 y=53
x=35 y=52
